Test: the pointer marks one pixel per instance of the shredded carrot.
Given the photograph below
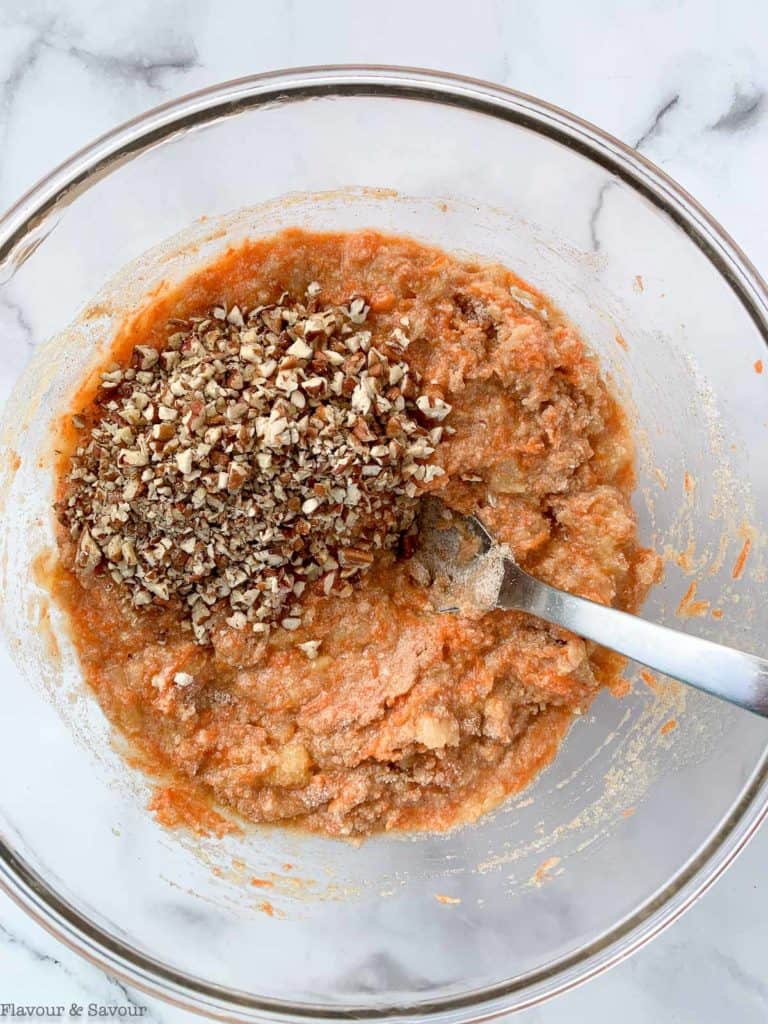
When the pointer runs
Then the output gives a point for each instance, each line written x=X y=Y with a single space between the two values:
x=738 y=565
x=688 y=608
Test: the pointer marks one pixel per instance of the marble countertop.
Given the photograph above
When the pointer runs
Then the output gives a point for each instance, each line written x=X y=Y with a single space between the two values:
x=686 y=81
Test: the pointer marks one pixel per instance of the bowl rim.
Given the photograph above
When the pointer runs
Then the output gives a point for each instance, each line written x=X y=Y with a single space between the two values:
x=25 y=225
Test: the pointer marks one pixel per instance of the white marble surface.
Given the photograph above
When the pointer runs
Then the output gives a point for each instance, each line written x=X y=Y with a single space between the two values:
x=687 y=81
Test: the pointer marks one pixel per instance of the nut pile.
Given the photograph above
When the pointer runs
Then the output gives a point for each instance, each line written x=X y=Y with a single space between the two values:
x=252 y=456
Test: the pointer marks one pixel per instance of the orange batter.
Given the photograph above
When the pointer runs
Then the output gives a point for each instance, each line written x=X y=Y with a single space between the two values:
x=406 y=718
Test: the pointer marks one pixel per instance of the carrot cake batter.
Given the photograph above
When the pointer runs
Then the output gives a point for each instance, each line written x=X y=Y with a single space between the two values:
x=237 y=502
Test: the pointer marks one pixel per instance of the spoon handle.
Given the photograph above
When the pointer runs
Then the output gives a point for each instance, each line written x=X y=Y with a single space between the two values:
x=722 y=671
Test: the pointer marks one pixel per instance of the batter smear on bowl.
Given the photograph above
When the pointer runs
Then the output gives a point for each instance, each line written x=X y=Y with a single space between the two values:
x=237 y=503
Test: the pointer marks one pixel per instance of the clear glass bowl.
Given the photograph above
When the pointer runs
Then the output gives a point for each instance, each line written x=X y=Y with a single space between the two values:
x=632 y=822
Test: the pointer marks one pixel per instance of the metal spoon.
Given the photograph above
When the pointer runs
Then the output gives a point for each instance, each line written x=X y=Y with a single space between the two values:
x=457 y=552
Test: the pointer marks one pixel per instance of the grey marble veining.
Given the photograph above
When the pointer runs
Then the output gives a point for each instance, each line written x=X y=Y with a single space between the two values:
x=651 y=132
x=685 y=82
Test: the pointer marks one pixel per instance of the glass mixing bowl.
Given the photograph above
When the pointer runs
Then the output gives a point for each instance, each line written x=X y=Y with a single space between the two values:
x=651 y=796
